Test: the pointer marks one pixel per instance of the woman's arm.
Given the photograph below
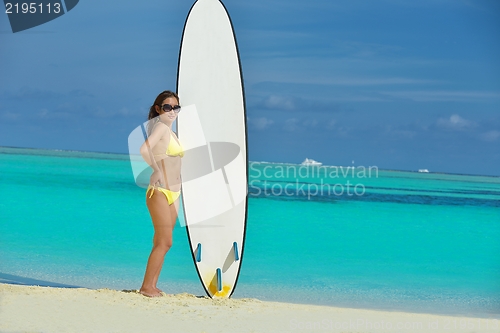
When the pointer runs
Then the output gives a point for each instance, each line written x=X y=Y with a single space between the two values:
x=147 y=147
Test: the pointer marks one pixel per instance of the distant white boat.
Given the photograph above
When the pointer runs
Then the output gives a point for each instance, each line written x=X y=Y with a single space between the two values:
x=423 y=170
x=309 y=161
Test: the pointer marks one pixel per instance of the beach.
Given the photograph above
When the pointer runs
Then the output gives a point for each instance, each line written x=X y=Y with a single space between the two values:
x=49 y=309
x=418 y=252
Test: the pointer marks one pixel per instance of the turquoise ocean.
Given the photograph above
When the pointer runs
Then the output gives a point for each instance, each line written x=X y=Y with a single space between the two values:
x=349 y=236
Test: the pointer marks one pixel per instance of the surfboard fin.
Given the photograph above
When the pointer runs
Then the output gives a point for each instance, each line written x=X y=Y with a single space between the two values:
x=219 y=280
x=198 y=253
x=235 y=248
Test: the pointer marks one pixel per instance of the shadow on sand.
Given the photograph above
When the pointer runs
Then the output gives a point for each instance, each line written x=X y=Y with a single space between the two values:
x=20 y=280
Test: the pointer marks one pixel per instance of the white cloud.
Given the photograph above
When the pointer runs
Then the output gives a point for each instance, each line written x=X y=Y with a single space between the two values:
x=279 y=103
x=407 y=134
x=41 y=114
x=260 y=123
x=455 y=122
x=331 y=124
x=11 y=115
x=311 y=122
x=123 y=112
x=490 y=136
x=445 y=96
x=291 y=124
x=46 y=114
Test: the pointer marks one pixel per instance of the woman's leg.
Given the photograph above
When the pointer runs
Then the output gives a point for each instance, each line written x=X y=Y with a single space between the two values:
x=159 y=210
x=173 y=209
x=157 y=274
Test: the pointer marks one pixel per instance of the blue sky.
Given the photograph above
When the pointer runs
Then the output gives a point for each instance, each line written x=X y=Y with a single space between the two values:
x=397 y=84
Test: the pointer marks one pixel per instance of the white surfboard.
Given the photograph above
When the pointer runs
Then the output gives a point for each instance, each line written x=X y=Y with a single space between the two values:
x=212 y=129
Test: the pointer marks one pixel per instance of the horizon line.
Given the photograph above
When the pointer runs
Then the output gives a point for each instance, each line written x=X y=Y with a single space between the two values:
x=126 y=154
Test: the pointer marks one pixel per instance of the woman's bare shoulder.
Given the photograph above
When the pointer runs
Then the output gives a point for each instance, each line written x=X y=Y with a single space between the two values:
x=160 y=128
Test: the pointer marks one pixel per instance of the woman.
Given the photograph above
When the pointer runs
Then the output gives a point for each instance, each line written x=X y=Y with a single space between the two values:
x=162 y=151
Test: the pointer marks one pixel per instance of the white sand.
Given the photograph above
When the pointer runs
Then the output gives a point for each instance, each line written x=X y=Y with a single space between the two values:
x=45 y=309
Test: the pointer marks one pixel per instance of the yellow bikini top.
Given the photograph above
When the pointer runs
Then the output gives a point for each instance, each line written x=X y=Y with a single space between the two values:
x=174 y=147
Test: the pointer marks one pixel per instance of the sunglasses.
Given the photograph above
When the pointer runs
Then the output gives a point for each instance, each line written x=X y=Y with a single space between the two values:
x=168 y=108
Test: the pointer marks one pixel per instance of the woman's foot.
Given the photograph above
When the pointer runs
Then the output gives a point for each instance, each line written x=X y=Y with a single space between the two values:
x=150 y=293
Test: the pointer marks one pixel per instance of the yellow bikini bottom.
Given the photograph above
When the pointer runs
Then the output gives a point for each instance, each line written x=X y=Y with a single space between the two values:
x=170 y=195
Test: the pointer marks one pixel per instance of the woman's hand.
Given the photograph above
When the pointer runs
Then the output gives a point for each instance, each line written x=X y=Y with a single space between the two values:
x=157 y=179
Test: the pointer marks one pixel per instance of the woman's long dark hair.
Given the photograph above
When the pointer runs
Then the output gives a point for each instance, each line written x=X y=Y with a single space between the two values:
x=152 y=110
